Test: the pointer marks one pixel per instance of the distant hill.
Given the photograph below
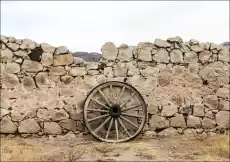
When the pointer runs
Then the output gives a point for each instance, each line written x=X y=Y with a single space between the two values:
x=226 y=44
x=88 y=57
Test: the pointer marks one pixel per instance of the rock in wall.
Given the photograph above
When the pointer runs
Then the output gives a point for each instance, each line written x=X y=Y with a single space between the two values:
x=185 y=84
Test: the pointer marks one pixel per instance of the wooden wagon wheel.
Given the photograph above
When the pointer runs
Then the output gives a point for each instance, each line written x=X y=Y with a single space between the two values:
x=114 y=112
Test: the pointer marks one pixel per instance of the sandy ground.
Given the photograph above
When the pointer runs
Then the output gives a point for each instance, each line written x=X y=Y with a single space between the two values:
x=179 y=148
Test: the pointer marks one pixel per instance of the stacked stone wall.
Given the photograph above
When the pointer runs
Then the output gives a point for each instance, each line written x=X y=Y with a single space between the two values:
x=185 y=85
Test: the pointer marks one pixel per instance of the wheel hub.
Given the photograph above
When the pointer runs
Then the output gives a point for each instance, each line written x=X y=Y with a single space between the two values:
x=115 y=110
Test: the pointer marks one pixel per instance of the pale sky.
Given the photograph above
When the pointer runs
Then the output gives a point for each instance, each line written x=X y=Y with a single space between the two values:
x=86 y=26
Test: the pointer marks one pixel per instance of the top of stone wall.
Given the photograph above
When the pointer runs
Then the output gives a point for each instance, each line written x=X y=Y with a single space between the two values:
x=172 y=50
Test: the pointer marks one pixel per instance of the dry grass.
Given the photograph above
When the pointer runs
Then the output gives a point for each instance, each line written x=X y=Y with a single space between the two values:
x=146 y=154
x=219 y=146
x=18 y=149
x=215 y=148
x=103 y=148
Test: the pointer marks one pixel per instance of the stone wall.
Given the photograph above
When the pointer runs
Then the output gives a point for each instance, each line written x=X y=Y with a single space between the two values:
x=185 y=84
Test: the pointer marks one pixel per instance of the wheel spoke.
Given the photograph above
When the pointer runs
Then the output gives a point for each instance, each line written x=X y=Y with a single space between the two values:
x=111 y=90
x=127 y=100
x=97 y=110
x=131 y=115
x=132 y=107
x=99 y=117
x=110 y=126
x=118 y=100
x=130 y=122
x=100 y=103
x=124 y=127
x=102 y=124
x=116 y=127
x=104 y=97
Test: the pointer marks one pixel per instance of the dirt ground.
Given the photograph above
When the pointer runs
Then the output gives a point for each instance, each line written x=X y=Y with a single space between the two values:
x=179 y=148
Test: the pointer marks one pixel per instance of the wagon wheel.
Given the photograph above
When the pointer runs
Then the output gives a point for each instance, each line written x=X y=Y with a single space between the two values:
x=114 y=112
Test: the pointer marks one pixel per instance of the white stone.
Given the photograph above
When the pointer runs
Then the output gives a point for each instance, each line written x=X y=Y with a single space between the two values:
x=7 y=126
x=193 y=122
x=47 y=48
x=198 y=110
x=161 y=43
x=150 y=71
x=125 y=54
x=169 y=110
x=223 y=119
x=176 y=56
x=6 y=55
x=9 y=80
x=31 y=66
x=168 y=132
x=77 y=71
x=65 y=59
x=223 y=92
x=12 y=68
x=109 y=51
x=21 y=53
x=224 y=55
x=211 y=101
x=161 y=56
x=47 y=59
x=157 y=122
x=91 y=66
x=208 y=123
x=204 y=56
x=120 y=70
x=13 y=46
x=190 y=57
x=61 y=50
x=28 y=44
x=28 y=126
x=144 y=52
x=57 y=70
x=178 y=121
x=108 y=71
x=52 y=128
x=224 y=105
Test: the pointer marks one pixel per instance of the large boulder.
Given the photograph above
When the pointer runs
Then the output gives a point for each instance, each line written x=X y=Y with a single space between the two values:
x=158 y=122
x=178 y=121
x=176 y=56
x=7 y=126
x=193 y=122
x=161 y=43
x=61 y=50
x=161 y=56
x=6 y=55
x=52 y=128
x=32 y=66
x=109 y=51
x=28 y=126
x=47 y=48
x=9 y=80
x=223 y=119
x=66 y=59
x=168 y=132
x=28 y=44
x=125 y=54
x=12 y=68
x=47 y=59
x=144 y=52
x=208 y=123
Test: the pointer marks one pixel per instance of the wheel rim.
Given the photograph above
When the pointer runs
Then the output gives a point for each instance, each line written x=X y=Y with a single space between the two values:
x=114 y=112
